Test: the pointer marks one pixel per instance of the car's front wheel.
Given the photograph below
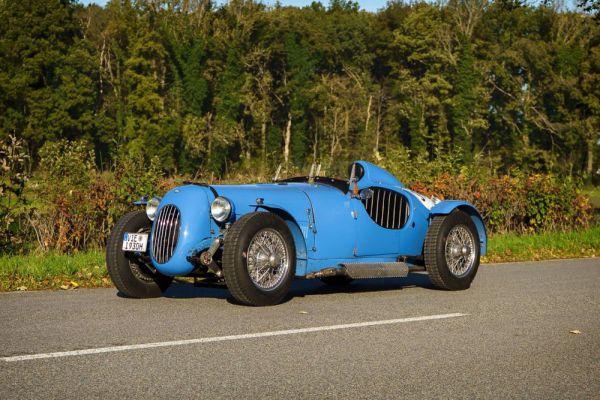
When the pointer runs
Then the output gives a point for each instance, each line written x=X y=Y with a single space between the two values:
x=452 y=251
x=130 y=272
x=259 y=259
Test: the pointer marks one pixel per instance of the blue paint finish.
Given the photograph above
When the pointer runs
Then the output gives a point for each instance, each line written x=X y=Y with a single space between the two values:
x=193 y=203
x=328 y=226
x=376 y=176
x=407 y=241
x=288 y=197
x=333 y=222
x=447 y=206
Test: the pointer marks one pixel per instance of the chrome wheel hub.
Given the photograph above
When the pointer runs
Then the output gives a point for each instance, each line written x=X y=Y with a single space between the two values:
x=460 y=251
x=267 y=259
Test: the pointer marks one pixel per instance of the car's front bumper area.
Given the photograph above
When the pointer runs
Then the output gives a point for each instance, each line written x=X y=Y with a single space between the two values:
x=183 y=227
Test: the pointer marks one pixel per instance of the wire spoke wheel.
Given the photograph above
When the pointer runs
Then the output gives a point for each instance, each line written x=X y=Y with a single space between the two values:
x=267 y=259
x=452 y=251
x=259 y=259
x=460 y=255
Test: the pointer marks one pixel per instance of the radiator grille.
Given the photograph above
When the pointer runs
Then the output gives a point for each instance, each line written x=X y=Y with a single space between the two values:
x=387 y=208
x=166 y=233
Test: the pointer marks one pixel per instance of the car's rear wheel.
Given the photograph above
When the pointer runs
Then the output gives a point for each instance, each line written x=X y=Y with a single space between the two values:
x=452 y=251
x=132 y=275
x=259 y=259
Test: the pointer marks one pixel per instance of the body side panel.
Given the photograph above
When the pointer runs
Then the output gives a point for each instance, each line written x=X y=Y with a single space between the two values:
x=374 y=240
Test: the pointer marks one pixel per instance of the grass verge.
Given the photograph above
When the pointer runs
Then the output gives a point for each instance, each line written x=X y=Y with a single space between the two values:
x=53 y=271
x=56 y=271
x=544 y=246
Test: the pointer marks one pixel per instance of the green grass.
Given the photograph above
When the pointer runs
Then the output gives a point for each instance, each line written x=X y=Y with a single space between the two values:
x=53 y=271
x=544 y=246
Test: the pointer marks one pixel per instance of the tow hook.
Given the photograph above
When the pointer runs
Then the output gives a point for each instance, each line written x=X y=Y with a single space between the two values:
x=206 y=258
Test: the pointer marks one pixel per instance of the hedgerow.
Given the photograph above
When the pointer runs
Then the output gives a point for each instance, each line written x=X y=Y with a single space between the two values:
x=70 y=205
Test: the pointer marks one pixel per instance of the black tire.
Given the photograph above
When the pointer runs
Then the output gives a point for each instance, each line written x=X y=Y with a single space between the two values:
x=435 y=251
x=130 y=276
x=337 y=280
x=235 y=270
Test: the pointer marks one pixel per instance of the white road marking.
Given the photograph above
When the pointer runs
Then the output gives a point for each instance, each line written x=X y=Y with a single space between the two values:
x=213 y=339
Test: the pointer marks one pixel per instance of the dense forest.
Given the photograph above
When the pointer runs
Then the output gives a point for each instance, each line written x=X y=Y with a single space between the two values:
x=495 y=102
x=244 y=86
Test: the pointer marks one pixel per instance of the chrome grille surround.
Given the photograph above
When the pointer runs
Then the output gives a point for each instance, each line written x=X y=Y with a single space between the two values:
x=165 y=233
x=387 y=208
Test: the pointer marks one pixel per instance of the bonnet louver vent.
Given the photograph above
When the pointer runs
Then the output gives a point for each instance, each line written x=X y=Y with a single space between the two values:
x=387 y=208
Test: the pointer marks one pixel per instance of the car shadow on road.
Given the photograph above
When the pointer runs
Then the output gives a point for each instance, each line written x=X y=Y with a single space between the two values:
x=300 y=288
x=188 y=290
x=311 y=287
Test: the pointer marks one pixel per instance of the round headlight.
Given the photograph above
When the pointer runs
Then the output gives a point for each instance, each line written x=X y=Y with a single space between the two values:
x=151 y=207
x=220 y=209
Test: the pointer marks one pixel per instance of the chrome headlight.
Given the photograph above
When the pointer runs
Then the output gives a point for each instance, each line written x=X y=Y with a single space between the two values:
x=151 y=207
x=220 y=209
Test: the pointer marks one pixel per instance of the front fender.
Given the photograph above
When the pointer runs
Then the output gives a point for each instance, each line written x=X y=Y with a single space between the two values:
x=447 y=206
x=196 y=229
x=299 y=230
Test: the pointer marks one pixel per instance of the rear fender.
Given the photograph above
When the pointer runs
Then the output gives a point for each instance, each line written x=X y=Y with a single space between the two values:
x=446 y=207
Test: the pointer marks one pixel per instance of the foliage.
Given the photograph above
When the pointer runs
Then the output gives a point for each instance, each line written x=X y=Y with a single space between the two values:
x=516 y=203
x=455 y=98
x=13 y=205
x=77 y=204
x=64 y=218
x=209 y=89
x=129 y=180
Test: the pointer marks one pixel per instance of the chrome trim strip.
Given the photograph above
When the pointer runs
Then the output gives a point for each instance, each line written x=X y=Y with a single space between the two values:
x=394 y=222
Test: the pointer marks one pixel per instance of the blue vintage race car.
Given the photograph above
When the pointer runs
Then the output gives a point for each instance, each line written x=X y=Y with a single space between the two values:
x=259 y=237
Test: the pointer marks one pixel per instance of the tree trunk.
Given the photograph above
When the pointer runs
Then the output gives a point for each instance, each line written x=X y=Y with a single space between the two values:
x=286 y=140
x=334 y=135
x=368 y=114
x=377 y=129
x=590 y=157
x=263 y=145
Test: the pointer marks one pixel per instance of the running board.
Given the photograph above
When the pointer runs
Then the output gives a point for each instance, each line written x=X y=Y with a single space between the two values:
x=364 y=270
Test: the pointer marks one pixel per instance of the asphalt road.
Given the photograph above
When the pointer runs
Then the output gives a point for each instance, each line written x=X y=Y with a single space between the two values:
x=512 y=342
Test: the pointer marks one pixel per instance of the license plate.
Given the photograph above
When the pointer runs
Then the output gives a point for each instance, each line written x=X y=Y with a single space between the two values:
x=135 y=242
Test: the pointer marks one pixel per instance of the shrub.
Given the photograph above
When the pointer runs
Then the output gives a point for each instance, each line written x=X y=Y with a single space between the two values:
x=518 y=203
x=13 y=206
x=514 y=202
x=65 y=217
x=129 y=179
x=75 y=204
